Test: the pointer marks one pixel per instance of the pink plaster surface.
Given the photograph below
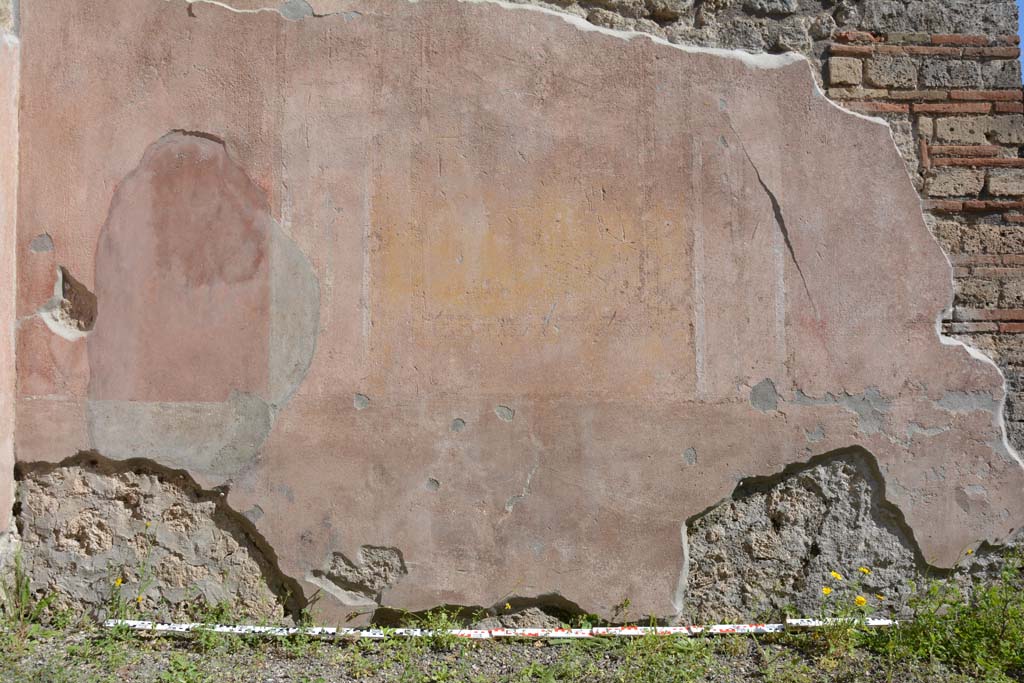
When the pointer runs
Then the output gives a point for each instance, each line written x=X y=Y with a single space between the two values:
x=588 y=249
x=184 y=251
x=9 y=72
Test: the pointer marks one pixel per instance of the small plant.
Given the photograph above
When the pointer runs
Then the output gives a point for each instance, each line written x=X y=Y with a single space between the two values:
x=22 y=608
x=208 y=640
x=845 y=609
x=620 y=612
x=653 y=658
x=437 y=623
x=978 y=629
x=181 y=669
x=121 y=603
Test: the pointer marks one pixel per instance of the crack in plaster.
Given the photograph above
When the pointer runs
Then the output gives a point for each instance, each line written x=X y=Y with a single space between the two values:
x=780 y=219
x=510 y=504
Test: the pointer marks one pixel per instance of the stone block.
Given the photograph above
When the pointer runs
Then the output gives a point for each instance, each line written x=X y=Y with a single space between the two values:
x=951 y=73
x=1013 y=293
x=1001 y=73
x=891 y=72
x=955 y=182
x=779 y=8
x=1006 y=182
x=1006 y=130
x=948 y=16
x=948 y=233
x=845 y=71
x=980 y=130
x=977 y=292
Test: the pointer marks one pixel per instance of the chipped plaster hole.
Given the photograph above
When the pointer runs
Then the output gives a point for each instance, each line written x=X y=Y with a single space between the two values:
x=41 y=243
x=379 y=567
x=360 y=402
x=505 y=413
x=71 y=312
x=815 y=435
x=433 y=484
x=458 y=424
x=870 y=406
x=690 y=456
x=764 y=397
x=294 y=10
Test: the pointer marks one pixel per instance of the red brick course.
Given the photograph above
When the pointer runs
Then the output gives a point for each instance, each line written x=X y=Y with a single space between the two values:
x=953 y=108
x=938 y=97
x=964 y=150
x=985 y=162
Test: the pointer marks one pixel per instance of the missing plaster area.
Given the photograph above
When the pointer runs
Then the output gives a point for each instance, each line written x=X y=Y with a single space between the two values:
x=89 y=521
x=71 y=312
x=549 y=610
x=774 y=543
x=292 y=10
x=362 y=583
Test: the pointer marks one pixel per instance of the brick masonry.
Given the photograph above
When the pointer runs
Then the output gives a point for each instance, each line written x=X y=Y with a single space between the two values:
x=955 y=104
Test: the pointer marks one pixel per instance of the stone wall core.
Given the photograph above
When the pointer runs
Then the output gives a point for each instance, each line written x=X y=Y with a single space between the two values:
x=460 y=303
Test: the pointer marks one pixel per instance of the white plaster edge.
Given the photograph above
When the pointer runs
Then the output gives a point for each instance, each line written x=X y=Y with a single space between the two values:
x=236 y=10
x=683 y=581
x=760 y=60
x=10 y=541
x=999 y=416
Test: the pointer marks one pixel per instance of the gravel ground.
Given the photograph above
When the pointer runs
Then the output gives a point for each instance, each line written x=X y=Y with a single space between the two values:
x=103 y=657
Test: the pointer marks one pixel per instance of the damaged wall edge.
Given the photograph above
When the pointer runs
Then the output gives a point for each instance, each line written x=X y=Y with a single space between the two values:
x=10 y=52
x=286 y=590
x=737 y=538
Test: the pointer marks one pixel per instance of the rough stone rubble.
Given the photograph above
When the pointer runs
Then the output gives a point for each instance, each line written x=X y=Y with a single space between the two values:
x=96 y=535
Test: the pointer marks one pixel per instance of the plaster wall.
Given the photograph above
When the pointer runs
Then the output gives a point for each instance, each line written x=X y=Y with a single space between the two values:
x=9 y=76
x=458 y=303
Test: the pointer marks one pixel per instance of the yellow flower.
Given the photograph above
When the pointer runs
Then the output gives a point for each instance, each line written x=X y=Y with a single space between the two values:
x=860 y=601
x=118 y=581
x=508 y=606
x=864 y=570
x=880 y=597
x=837 y=576
x=148 y=524
x=826 y=590
x=970 y=551
x=139 y=599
